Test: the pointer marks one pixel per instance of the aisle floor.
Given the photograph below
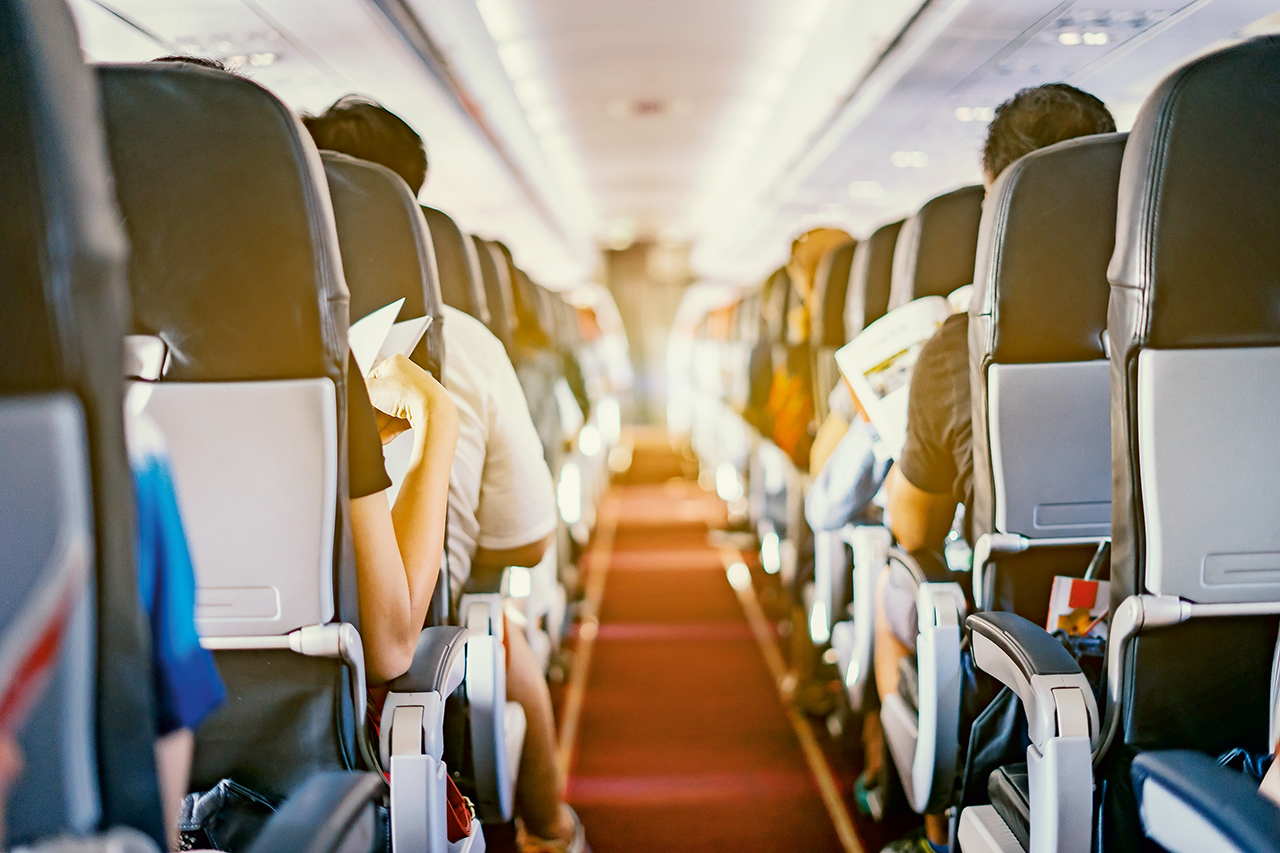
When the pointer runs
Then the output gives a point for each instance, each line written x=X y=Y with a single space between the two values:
x=683 y=742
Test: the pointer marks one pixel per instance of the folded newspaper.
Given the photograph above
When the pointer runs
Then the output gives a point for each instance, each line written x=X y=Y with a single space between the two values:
x=376 y=337
x=878 y=364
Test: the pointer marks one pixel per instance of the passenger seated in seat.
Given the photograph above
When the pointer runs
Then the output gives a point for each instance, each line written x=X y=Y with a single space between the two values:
x=934 y=472
x=502 y=509
x=187 y=686
x=398 y=548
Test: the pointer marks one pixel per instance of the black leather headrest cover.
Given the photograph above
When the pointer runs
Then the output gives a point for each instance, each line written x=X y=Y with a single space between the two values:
x=386 y=247
x=460 y=282
x=497 y=289
x=1197 y=256
x=830 y=286
x=936 y=247
x=776 y=301
x=870 y=278
x=529 y=310
x=63 y=264
x=235 y=262
x=1040 y=294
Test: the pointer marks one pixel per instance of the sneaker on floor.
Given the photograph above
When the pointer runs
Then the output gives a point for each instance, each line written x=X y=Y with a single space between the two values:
x=533 y=844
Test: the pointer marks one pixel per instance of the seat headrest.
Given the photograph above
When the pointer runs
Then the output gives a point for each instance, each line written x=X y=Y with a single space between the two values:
x=496 y=278
x=870 y=277
x=529 y=310
x=1198 y=225
x=460 y=281
x=63 y=253
x=235 y=257
x=830 y=286
x=936 y=247
x=386 y=247
x=63 y=262
x=775 y=301
x=1040 y=292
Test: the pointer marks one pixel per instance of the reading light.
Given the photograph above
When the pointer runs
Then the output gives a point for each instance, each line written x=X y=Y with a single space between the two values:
x=866 y=189
x=728 y=487
x=1069 y=39
x=1096 y=38
x=909 y=159
x=569 y=493
x=589 y=440
x=771 y=553
x=818 y=629
x=519 y=582
x=739 y=575
x=609 y=416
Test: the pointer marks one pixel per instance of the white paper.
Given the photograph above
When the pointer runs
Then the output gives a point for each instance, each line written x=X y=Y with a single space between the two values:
x=878 y=364
x=402 y=338
x=376 y=337
x=367 y=335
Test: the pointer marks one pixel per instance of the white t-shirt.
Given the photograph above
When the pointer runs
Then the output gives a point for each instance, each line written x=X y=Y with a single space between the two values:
x=500 y=491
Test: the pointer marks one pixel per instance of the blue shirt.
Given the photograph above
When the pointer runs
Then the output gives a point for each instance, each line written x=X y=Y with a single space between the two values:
x=187 y=685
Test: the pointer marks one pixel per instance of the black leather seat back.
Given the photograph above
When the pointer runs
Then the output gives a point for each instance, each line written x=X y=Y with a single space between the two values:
x=936 y=247
x=461 y=283
x=387 y=251
x=237 y=269
x=534 y=328
x=830 y=287
x=870 y=279
x=1194 y=328
x=1039 y=376
x=89 y=754
x=1195 y=334
x=496 y=278
x=234 y=263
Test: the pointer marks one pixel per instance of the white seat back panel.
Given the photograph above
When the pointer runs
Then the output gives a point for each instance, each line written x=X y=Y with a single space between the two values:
x=1050 y=439
x=1209 y=464
x=255 y=469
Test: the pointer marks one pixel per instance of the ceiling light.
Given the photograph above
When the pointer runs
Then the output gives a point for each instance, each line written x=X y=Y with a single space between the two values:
x=500 y=19
x=532 y=93
x=1096 y=38
x=866 y=189
x=518 y=58
x=543 y=119
x=789 y=52
x=909 y=159
x=1069 y=39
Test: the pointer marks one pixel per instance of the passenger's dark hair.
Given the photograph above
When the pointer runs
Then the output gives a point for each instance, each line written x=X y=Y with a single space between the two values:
x=365 y=129
x=1041 y=116
x=203 y=61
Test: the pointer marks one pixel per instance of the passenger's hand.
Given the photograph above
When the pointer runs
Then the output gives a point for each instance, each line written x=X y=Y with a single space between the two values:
x=406 y=396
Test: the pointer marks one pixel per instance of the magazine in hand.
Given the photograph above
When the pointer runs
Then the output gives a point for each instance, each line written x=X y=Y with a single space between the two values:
x=878 y=364
x=376 y=337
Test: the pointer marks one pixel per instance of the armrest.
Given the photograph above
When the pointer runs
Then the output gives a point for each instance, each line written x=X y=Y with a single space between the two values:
x=322 y=814
x=1054 y=692
x=1188 y=803
x=433 y=661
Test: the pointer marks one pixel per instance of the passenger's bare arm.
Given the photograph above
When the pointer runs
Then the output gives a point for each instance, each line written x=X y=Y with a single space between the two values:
x=398 y=549
x=917 y=519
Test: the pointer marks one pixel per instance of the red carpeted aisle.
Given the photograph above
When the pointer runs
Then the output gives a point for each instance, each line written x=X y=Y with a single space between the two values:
x=682 y=742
